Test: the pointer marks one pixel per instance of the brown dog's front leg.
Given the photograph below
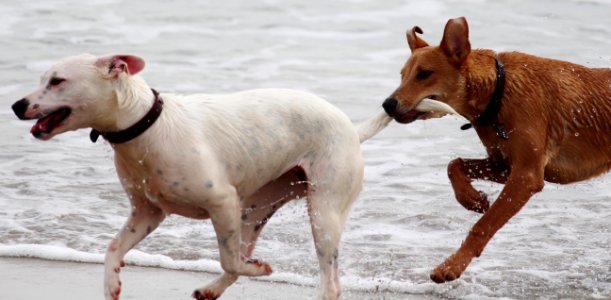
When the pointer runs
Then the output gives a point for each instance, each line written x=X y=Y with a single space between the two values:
x=462 y=171
x=521 y=185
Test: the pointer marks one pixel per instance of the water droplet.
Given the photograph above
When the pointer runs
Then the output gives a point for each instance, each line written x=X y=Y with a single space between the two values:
x=576 y=133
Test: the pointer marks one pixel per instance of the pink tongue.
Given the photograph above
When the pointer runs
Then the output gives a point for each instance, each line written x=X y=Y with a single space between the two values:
x=41 y=126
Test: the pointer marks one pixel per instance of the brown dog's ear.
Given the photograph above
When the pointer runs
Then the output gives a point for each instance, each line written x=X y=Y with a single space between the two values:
x=117 y=64
x=455 y=43
x=413 y=40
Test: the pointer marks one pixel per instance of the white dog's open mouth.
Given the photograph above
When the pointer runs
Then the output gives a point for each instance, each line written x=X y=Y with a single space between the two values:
x=46 y=124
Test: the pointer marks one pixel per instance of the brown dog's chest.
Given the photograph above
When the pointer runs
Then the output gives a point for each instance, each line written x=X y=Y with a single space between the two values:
x=495 y=146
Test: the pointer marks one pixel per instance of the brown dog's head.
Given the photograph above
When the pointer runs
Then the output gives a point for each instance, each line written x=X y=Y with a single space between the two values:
x=431 y=73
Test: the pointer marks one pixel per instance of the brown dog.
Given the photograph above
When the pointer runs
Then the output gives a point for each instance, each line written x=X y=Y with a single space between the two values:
x=539 y=119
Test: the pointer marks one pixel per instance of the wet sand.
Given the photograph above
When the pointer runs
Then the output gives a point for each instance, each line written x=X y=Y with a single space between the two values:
x=26 y=279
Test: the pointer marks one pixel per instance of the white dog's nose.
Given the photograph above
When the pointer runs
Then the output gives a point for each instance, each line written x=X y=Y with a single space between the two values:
x=20 y=108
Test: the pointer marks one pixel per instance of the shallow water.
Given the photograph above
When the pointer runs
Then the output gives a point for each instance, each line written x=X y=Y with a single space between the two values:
x=61 y=199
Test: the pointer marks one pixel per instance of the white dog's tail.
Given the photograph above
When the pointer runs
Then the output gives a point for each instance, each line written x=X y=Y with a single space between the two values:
x=378 y=122
x=373 y=125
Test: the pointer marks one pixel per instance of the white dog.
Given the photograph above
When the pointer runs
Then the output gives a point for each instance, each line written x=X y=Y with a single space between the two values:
x=235 y=159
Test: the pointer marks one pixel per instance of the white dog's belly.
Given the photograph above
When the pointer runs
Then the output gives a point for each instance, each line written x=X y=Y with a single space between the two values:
x=174 y=202
x=179 y=207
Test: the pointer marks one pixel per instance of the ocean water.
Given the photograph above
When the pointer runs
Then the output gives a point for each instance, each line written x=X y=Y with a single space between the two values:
x=61 y=199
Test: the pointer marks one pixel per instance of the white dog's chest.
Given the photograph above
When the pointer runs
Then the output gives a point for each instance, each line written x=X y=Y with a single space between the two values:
x=175 y=197
x=172 y=192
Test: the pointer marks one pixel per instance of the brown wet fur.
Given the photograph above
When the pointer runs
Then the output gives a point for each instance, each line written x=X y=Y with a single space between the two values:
x=557 y=115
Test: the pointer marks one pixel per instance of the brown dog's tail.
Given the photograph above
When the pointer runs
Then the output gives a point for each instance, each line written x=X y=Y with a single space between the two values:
x=373 y=125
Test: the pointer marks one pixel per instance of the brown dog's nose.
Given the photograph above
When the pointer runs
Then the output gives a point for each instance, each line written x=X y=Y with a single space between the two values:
x=20 y=107
x=390 y=106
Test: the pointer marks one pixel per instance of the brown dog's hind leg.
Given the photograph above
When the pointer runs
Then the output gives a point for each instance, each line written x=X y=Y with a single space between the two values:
x=525 y=180
x=463 y=171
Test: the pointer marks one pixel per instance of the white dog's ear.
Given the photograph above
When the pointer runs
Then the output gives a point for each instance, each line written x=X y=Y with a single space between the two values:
x=114 y=65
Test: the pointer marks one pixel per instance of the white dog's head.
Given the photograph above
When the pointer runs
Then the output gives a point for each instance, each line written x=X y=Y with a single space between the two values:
x=77 y=92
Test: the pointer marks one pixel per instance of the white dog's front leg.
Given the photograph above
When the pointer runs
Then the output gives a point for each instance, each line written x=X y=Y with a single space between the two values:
x=143 y=220
x=227 y=224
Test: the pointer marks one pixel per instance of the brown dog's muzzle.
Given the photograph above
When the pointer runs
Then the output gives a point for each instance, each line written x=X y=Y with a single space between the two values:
x=391 y=106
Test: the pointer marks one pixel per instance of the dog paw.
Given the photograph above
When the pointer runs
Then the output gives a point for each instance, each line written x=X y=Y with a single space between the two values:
x=481 y=203
x=451 y=269
x=443 y=275
x=205 y=294
x=112 y=283
x=476 y=201
x=112 y=291
x=262 y=268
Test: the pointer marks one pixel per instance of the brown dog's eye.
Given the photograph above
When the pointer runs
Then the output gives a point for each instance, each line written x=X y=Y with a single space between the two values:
x=56 y=81
x=423 y=74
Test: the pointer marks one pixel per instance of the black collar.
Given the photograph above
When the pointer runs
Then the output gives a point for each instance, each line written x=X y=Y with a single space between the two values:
x=490 y=115
x=135 y=130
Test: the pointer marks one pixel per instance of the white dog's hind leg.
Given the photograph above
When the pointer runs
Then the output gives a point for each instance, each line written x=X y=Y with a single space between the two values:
x=328 y=207
x=337 y=184
x=327 y=225
x=143 y=219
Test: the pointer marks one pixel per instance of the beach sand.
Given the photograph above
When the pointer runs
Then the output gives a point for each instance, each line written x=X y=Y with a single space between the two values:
x=27 y=279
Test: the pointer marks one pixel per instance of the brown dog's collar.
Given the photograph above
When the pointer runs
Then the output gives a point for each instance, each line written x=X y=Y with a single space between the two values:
x=135 y=130
x=490 y=115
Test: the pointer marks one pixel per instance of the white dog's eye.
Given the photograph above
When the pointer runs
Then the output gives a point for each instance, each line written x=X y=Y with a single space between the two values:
x=56 y=81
